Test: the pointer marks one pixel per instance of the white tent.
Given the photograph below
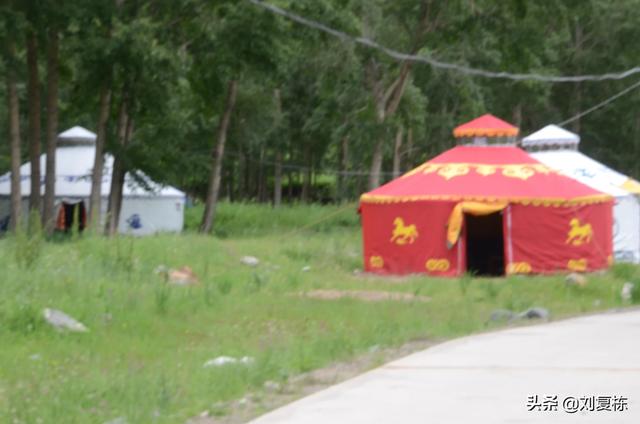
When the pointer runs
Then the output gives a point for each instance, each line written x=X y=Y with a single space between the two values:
x=551 y=136
x=147 y=207
x=558 y=151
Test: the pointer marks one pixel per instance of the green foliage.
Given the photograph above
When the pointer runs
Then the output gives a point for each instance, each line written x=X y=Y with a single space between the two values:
x=624 y=271
x=170 y=63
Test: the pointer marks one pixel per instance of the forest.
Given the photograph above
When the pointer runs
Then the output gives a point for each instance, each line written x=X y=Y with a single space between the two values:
x=226 y=99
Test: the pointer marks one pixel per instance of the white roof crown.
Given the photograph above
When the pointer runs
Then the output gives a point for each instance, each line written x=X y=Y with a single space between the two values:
x=551 y=135
x=77 y=135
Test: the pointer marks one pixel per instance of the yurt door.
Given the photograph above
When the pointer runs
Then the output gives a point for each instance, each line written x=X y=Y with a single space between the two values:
x=485 y=244
x=70 y=214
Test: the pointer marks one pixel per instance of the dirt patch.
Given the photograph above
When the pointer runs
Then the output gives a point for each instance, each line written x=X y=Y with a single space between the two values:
x=365 y=295
x=274 y=395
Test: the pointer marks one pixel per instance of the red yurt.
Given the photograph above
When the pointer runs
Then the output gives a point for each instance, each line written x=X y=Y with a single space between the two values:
x=485 y=207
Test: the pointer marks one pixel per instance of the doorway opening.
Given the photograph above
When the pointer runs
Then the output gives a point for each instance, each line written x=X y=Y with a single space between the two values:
x=485 y=244
x=70 y=213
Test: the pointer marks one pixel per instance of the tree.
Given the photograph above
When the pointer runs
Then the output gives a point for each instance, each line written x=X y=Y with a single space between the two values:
x=33 y=101
x=53 y=63
x=216 y=157
x=14 y=133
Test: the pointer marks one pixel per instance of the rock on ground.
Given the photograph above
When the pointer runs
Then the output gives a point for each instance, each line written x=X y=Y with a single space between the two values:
x=228 y=360
x=535 y=313
x=250 y=261
x=502 y=315
x=627 y=291
x=180 y=277
x=575 y=279
x=63 y=322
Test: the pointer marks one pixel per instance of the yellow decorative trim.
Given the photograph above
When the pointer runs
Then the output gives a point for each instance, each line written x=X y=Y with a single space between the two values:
x=519 y=268
x=485 y=132
x=448 y=171
x=579 y=265
x=546 y=202
x=376 y=262
x=438 y=265
x=632 y=186
x=485 y=170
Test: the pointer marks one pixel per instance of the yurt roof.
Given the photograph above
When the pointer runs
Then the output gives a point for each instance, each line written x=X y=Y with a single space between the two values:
x=588 y=171
x=488 y=174
x=551 y=135
x=77 y=133
x=486 y=126
x=74 y=164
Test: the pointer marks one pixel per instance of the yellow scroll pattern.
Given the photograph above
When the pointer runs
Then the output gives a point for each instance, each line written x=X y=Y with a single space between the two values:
x=453 y=170
x=438 y=265
x=519 y=268
x=376 y=262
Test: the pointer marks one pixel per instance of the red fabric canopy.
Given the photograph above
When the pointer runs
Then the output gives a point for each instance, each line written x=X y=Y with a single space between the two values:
x=489 y=174
x=543 y=221
x=486 y=126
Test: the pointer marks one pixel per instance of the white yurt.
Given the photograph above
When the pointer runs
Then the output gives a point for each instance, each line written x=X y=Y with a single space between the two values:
x=558 y=149
x=147 y=207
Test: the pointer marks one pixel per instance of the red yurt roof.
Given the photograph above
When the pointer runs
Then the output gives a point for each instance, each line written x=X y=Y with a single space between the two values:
x=485 y=174
x=486 y=126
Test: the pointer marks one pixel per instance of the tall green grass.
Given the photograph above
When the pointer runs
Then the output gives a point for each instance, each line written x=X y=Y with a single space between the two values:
x=143 y=357
x=251 y=219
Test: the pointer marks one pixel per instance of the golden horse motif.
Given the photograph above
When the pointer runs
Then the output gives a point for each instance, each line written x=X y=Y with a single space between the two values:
x=579 y=234
x=403 y=234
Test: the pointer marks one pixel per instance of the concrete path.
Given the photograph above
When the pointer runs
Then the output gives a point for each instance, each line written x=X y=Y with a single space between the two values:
x=489 y=378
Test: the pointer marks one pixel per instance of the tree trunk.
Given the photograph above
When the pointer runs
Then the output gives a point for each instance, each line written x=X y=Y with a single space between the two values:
x=387 y=101
x=343 y=168
x=577 y=88
x=52 y=131
x=277 y=181
x=277 y=172
x=118 y=172
x=95 y=198
x=216 y=159
x=397 y=159
x=376 y=165
x=14 y=139
x=290 y=186
x=409 y=151
x=577 y=101
x=33 y=94
x=261 y=180
x=242 y=176
x=517 y=115
x=306 y=182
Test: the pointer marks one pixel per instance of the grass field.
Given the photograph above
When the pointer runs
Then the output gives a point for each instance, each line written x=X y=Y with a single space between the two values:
x=143 y=357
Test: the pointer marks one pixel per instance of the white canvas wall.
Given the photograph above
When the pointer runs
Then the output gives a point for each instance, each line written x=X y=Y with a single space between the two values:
x=626 y=229
x=159 y=214
x=155 y=215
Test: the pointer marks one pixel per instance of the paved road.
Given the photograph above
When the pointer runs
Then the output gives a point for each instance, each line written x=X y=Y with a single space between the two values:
x=488 y=378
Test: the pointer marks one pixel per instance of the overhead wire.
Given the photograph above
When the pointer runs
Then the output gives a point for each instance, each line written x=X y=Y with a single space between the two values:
x=438 y=64
x=601 y=104
x=367 y=42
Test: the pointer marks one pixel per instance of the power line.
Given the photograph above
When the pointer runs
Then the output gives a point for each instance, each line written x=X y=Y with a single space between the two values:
x=367 y=42
x=601 y=104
